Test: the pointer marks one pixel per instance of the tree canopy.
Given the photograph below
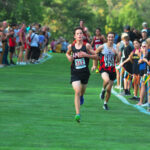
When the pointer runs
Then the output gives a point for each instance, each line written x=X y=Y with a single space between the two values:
x=62 y=16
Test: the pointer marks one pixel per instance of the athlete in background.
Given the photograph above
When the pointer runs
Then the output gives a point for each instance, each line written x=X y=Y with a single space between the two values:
x=98 y=40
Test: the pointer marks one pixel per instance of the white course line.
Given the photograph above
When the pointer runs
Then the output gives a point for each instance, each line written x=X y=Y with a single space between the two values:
x=125 y=101
x=45 y=59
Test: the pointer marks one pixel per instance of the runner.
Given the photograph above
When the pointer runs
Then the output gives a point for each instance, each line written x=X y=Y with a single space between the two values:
x=107 y=53
x=86 y=35
x=78 y=55
x=98 y=40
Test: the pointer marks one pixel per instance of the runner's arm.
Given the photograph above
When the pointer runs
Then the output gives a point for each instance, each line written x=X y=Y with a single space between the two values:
x=92 y=42
x=91 y=54
x=103 y=38
x=68 y=54
x=95 y=62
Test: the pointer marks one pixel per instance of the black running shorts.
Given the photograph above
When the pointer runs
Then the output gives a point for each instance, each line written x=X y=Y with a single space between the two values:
x=112 y=75
x=80 y=77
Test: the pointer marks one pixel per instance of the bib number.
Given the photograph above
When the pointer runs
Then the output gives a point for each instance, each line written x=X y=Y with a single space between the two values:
x=80 y=63
x=109 y=60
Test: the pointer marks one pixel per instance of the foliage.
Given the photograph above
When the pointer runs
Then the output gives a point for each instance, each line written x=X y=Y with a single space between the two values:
x=21 y=11
x=129 y=12
x=63 y=15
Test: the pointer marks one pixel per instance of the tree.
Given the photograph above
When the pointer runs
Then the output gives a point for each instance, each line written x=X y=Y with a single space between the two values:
x=123 y=13
x=17 y=11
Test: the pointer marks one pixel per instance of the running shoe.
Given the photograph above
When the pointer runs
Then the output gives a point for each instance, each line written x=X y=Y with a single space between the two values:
x=102 y=94
x=134 y=98
x=105 y=106
x=81 y=100
x=97 y=71
x=77 y=118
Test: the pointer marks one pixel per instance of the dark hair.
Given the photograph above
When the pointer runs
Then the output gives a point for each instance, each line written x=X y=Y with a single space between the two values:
x=99 y=29
x=77 y=28
x=127 y=27
x=111 y=33
x=137 y=41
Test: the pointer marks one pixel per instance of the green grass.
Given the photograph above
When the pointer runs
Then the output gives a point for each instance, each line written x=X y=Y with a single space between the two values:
x=37 y=113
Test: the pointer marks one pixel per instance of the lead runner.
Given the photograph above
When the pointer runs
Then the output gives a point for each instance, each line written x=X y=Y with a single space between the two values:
x=108 y=54
x=78 y=54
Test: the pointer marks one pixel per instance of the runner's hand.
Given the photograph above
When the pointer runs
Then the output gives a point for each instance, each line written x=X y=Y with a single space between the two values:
x=93 y=68
x=82 y=54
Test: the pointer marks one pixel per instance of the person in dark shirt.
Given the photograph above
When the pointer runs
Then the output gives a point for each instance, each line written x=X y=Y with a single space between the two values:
x=145 y=26
x=147 y=60
x=78 y=54
x=129 y=32
x=127 y=66
x=143 y=73
x=134 y=58
x=144 y=35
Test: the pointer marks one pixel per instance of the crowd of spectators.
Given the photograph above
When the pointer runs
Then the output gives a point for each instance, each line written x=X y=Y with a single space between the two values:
x=24 y=44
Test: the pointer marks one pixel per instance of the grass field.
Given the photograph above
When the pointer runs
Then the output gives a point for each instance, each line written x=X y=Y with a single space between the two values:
x=37 y=113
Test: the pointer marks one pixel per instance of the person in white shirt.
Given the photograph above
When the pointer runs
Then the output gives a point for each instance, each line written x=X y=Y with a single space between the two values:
x=34 y=52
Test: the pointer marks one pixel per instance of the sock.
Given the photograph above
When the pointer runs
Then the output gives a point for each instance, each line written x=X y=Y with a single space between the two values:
x=103 y=89
x=126 y=91
x=105 y=102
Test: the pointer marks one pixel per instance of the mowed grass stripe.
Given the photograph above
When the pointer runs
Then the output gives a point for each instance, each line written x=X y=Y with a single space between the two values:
x=37 y=112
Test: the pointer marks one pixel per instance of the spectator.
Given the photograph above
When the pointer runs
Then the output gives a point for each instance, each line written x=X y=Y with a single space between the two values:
x=58 y=46
x=5 y=43
x=143 y=73
x=41 y=42
x=128 y=66
x=130 y=33
x=117 y=38
x=137 y=33
x=53 y=44
x=64 y=46
x=1 y=44
x=12 y=44
x=22 y=42
x=16 y=35
x=145 y=26
x=34 y=52
x=144 y=35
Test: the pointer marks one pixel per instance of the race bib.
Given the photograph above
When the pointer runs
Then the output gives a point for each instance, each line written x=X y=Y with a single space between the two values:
x=80 y=63
x=109 y=60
